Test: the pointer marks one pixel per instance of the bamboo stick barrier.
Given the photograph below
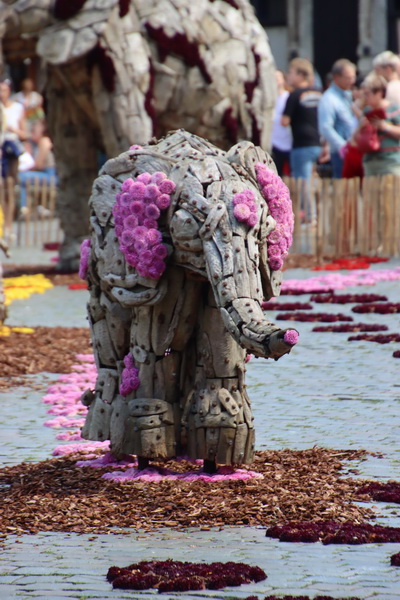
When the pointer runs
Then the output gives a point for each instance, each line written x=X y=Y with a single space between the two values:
x=35 y=212
x=353 y=217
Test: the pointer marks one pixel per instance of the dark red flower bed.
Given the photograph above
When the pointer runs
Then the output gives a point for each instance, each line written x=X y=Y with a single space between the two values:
x=323 y=317
x=353 y=327
x=333 y=532
x=347 y=298
x=300 y=291
x=396 y=354
x=386 y=308
x=395 y=560
x=286 y=306
x=176 y=576
x=388 y=491
x=379 y=338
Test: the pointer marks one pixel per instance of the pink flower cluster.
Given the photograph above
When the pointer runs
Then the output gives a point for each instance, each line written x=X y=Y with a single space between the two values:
x=245 y=208
x=279 y=203
x=291 y=337
x=130 y=376
x=338 y=281
x=136 y=212
x=161 y=474
x=84 y=260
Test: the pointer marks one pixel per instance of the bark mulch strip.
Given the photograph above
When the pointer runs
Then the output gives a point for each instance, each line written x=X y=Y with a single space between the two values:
x=55 y=495
x=48 y=349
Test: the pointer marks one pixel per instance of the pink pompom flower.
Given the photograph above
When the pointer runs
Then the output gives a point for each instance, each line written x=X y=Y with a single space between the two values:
x=160 y=251
x=150 y=223
x=141 y=245
x=137 y=190
x=137 y=208
x=131 y=222
x=158 y=177
x=131 y=257
x=154 y=236
x=252 y=219
x=152 y=192
x=275 y=263
x=152 y=212
x=127 y=184
x=144 y=178
x=241 y=212
x=125 y=199
x=167 y=186
x=127 y=237
x=163 y=201
x=146 y=257
x=291 y=337
x=140 y=232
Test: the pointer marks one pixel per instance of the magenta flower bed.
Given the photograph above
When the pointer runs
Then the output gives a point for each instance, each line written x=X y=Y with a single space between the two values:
x=386 y=308
x=349 y=328
x=323 y=317
x=176 y=576
x=332 y=532
x=347 y=298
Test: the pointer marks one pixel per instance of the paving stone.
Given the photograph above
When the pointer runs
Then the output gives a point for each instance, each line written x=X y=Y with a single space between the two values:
x=350 y=400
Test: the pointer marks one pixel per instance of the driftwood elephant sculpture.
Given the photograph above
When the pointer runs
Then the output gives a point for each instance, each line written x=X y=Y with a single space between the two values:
x=186 y=242
x=117 y=72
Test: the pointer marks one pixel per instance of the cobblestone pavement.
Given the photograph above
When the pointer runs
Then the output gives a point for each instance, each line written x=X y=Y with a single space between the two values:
x=328 y=392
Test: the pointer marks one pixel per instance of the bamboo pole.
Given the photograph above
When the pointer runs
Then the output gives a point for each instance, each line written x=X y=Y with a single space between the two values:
x=35 y=212
x=9 y=210
x=396 y=217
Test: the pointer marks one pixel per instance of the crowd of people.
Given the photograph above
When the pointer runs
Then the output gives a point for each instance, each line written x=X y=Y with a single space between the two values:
x=349 y=129
x=353 y=125
x=26 y=149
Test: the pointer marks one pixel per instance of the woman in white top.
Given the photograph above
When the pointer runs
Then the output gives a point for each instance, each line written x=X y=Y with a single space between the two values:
x=281 y=137
x=15 y=131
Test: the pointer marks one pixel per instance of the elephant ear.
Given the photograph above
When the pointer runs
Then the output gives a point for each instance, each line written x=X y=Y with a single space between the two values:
x=247 y=159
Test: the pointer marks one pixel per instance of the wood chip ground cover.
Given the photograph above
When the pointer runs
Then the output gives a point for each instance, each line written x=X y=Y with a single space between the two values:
x=55 y=495
x=47 y=349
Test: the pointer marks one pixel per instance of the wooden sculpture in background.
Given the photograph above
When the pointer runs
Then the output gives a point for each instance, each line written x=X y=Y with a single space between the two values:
x=117 y=72
x=187 y=241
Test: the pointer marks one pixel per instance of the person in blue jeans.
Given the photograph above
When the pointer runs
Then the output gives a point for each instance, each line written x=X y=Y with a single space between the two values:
x=300 y=113
x=335 y=114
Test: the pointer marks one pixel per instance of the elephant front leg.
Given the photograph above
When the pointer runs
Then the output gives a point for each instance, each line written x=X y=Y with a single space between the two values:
x=217 y=416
